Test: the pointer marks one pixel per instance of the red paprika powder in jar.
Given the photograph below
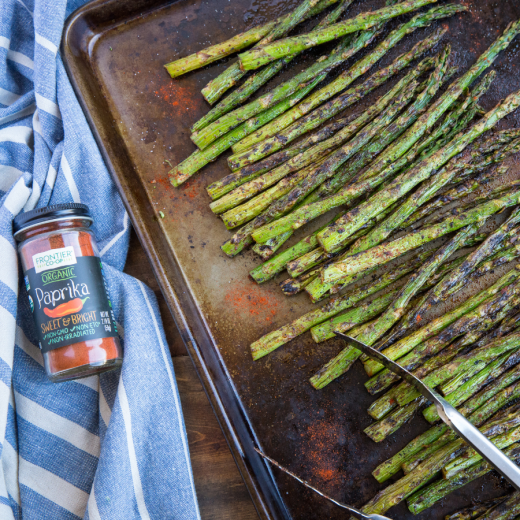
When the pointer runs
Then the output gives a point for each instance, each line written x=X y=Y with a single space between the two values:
x=67 y=292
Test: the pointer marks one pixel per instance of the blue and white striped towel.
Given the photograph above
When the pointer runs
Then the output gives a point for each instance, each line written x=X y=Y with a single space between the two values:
x=110 y=447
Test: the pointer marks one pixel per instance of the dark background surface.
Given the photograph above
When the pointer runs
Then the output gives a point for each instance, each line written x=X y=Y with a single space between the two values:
x=316 y=434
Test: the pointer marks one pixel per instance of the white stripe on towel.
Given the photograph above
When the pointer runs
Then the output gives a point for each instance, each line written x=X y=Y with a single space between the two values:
x=57 y=425
x=17 y=57
x=70 y=179
x=134 y=469
x=46 y=43
x=52 y=487
x=47 y=106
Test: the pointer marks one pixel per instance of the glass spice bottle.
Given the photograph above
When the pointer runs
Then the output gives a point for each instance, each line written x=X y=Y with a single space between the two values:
x=67 y=293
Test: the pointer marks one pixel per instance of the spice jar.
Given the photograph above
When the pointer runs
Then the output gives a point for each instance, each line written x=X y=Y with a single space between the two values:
x=67 y=292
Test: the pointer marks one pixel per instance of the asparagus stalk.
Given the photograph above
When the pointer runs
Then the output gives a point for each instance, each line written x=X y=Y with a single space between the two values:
x=507 y=509
x=317 y=288
x=288 y=46
x=302 y=262
x=273 y=266
x=331 y=238
x=269 y=248
x=454 y=118
x=470 y=513
x=405 y=486
x=220 y=50
x=404 y=326
x=390 y=134
x=347 y=321
x=508 y=324
x=431 y=494
x=342 y=362
x=293 y=286
x=459 y=191
x=503 y=390
x=242 y=238
x=404 y=346
x=233 y=74
x=220 y=120
x=424 y=193
x=443 y=104
x=247 y=89
x=386 y=107
x=391 y=466
x=312 y=207
x=471 y=168
x=402 y=394
x=247 y=173
x=287 y=128
x=469 y=379
x=198 y=159
x=385 y=427
x=344 y=322
x=277 y=338
x=398 y=395
x=305 y=262
x=413 y=317
x=416 y=358
x=239 y=241
x=479 y=414
x=384 y=405
x=337 y=159
x=256 y=207
x=501 y=258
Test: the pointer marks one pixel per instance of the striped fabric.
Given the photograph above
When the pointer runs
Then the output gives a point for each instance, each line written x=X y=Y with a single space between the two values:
x=110 y=447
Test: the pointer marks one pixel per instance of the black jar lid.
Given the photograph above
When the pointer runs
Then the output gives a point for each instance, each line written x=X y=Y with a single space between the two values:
x=73 y=210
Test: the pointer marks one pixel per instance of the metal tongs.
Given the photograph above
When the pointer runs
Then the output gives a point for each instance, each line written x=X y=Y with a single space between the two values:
x=356 y=513
x=457 y=422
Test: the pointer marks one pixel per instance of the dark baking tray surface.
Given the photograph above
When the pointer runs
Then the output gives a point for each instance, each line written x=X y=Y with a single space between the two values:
x=114 y=51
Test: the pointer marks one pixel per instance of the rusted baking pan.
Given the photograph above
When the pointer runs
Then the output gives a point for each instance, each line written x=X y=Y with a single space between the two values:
x=114 y=52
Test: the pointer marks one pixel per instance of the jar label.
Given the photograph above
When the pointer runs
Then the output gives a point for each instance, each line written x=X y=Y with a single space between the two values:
x=69 y=301
x=54 y=258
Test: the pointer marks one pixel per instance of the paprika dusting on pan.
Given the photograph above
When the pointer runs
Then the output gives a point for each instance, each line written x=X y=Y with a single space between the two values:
x=67 y=292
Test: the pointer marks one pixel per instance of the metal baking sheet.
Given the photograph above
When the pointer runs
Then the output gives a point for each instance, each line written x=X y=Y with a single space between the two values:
x=114 y=52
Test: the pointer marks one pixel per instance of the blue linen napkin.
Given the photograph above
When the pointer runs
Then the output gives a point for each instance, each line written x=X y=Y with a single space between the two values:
x=109 y=447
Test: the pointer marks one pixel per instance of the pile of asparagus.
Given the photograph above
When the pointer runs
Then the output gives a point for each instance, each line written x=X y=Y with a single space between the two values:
x=389 y=176
x=234 y=123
